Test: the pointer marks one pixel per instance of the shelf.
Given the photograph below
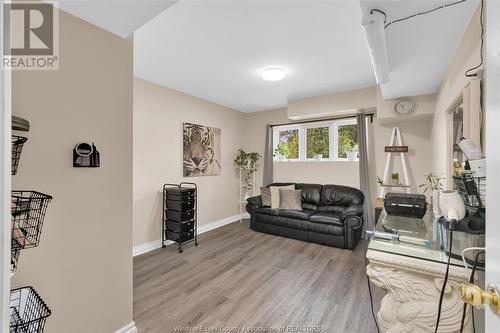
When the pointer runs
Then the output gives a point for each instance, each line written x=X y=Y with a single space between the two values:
x=28 y=212
x=17 y=148
x=28 y=312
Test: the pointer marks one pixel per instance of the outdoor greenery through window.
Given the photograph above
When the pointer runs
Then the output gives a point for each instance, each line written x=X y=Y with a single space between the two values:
x=329 y=140
x=289 y=143
x=318 y=142
x=348 y=139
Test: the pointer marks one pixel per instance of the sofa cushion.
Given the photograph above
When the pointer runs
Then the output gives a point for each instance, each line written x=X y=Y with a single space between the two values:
x=267 y=211
x=311 y=193
x=341 y=195
x=296 y=214
x=309 y=206
x=292 y=223
x=331 y=209
x=265 y=194
x=331 y=229
x=275 y=194
x=327 y=218
x=290 y=199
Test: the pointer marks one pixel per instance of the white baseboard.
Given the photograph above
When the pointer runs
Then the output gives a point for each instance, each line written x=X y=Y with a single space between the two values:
x=156 y=244
x=129 y=328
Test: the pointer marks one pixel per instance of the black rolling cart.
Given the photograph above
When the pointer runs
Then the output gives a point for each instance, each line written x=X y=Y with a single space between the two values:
x=180 y=214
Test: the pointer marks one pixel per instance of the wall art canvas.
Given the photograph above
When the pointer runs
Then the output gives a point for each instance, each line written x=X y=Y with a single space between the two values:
x=201 y=150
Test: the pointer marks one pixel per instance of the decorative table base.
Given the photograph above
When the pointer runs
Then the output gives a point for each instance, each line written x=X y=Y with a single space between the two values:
x=413 y=287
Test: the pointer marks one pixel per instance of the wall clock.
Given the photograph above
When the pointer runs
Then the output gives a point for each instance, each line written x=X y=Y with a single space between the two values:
x=404 y=106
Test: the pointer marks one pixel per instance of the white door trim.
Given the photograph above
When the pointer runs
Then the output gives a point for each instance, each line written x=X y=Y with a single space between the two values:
x=5 y=190
x=491 y=104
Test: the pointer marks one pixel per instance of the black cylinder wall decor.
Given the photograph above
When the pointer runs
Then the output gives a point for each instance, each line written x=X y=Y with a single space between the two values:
x=86 y=155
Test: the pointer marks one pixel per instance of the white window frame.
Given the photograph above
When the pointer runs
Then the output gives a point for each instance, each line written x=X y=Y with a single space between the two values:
x=333 y=130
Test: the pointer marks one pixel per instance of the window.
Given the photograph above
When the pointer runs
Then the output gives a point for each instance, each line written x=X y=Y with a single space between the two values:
x=347 y=139
x=329 y=140
x=318 y=142
x=289 y=143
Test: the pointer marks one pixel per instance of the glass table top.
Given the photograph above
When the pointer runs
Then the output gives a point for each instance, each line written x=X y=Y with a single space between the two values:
x=424 y=229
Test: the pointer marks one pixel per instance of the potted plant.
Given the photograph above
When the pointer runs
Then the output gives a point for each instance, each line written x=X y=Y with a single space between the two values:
x=247 y=162
x=395 y=178
x=433 y=184
x=352 y=151
x=281 y=152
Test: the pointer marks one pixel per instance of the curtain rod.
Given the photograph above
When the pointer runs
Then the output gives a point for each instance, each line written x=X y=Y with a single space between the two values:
x=371 y=114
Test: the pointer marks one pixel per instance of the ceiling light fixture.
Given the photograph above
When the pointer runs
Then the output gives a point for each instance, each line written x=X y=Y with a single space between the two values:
x=273 y=74
x=373 y=25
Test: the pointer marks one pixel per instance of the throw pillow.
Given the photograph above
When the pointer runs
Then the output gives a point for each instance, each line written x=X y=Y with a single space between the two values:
x=275 y=194
x=265 y=194
x=291 y=199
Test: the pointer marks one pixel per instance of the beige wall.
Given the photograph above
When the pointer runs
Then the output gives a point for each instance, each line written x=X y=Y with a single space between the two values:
x=336 y=104
x=158 y=116
x=83 y=266
x=324 y=172
x=423 y=108
x=416 y=134
x=467 y=55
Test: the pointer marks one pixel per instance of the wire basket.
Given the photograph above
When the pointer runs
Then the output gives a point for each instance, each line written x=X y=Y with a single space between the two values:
x=17 y=148
x=14 y=257
x=472 y=190
x=28 y=212
x=28 y=312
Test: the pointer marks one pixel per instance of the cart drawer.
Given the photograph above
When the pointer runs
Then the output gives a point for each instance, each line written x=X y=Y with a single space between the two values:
x=180 y=194
x=181 y=205
x=180 y=226
x=180 y=237
x=176 y=216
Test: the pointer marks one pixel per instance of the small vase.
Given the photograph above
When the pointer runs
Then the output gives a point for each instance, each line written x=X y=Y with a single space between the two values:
x=281 y=158
x=352 y=155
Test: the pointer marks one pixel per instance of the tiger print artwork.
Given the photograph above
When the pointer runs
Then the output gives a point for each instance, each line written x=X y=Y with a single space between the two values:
x=201 y=150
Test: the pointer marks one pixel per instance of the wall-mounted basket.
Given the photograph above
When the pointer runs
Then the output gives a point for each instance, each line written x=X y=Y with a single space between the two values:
x=28 y=312
x=17 y=147
x=28 y=212
x=14 y=257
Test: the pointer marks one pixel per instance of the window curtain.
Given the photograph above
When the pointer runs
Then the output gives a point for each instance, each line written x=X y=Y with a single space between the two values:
x=268 y=158
x=364 y=172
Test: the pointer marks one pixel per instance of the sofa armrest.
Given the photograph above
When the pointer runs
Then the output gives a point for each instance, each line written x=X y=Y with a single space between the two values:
x=353 y=226
x=253 y=203
x=353 y=210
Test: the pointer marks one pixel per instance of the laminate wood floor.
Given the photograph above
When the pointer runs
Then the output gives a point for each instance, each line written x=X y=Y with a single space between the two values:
x=246 y=280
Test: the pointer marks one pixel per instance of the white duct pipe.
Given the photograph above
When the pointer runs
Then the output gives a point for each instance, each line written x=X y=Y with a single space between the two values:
x=373 y=26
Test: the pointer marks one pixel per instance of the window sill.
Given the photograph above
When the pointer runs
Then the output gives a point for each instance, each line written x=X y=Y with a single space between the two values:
x=317 y=161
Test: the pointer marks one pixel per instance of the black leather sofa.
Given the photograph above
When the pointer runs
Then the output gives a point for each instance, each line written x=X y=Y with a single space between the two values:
x=331 y=215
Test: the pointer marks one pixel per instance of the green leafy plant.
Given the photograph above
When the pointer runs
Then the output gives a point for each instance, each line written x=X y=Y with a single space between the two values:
x=282 y=149
x=395 y=175
x=247 y=162
x=433 y=183
x=353 y=146
x=348 y=137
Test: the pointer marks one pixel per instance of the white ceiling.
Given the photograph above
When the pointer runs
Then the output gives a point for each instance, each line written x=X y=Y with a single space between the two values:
x=120 y=17
x=216 y=49
x=420 y=49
